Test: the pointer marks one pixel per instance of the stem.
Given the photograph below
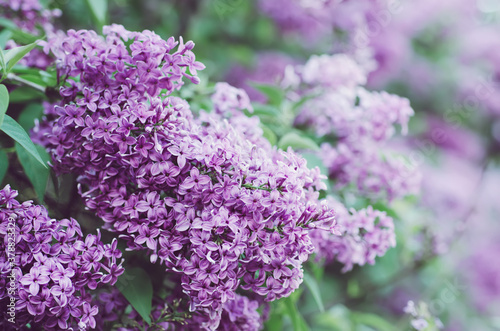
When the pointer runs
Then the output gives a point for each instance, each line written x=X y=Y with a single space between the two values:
x=18 y=79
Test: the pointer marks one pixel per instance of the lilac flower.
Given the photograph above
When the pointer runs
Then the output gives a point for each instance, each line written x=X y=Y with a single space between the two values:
x=56 y=267
x=365 y=234
x=195 y=193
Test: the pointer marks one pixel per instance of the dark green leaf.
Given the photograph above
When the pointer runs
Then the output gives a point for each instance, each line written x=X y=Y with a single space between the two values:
x=297 y=142
x=383 y=207
x=29 y=114
x=24 y=93
x=138 y=290
x=4 y=165
x=99 y=10
x=37 y=173
x=274 y=94
x=298 y=322
x=4 y=102
x=14 y=55
x=16 y=132
x=312 y=285
x=35 y=79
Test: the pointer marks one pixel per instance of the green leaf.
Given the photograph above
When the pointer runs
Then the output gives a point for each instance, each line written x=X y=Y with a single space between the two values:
x=313 y=160
x=298 y=322
x=296 y=141
x=5 y=35
x=24 y=93
x=269 y=134
x=16 y=132
x=2 y=65
x=275 y=322
x=4 y=102
x=312 y=285
x=138 y=290
x=27 y=117
x=14 y=55
x=335 y=319
x=373 y=321
x=4 y=165
x=265 y=110
x=99 y=10
x=274 y=94
x=37 y=173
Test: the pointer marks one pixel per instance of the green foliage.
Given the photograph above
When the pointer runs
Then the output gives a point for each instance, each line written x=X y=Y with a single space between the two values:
x=14 y=55
x=18 y=35
x=313 y=286
x=99 y=10
x=138 y=290
x=4 y=102
x=16 y=132
x=274 y=94
x=4 y=165
x=37 y=173
x=298 y=322
x=297 y=141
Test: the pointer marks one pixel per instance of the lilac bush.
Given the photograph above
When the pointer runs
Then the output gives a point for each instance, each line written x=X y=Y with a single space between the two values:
x=308 y=165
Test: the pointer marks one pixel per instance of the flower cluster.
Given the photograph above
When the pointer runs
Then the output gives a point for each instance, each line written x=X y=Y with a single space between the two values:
x=366 y=234
x=421 y=318
x=54 y=267
x=170 y=313
x=361 y=122
x=221 y=210
x=29 y=16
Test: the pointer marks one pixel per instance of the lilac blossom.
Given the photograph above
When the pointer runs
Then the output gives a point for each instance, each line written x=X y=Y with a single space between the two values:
x=55 y=267
x=207 y=197
x=361 y=124
x=366 y=234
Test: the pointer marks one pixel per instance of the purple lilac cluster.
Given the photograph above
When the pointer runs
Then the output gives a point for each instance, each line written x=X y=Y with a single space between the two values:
x=361 y=122
x=366 y=234
x=55 y=267
x=210 y=204
x=170 y=314
x=318 y=18
x=29 y=16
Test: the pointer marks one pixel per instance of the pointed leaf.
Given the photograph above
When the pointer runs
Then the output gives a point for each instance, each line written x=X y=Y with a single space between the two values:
x=274 y=94
x=4 y=165
x=4 y=36
x=14 y=55
x=37 y=173
x=99 y=10
x=312 y=285
x=4 y=102
x=16 y=132
x=138 y=290
x=298 y=322
x=296 y=141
